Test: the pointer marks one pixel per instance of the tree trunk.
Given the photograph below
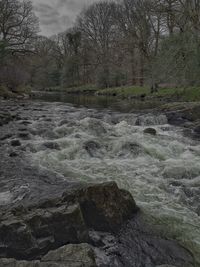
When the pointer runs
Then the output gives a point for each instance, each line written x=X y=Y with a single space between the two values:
x=133 y=69
x=141 y=71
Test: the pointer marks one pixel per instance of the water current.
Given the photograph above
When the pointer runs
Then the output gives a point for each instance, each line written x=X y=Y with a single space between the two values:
x=161 y=171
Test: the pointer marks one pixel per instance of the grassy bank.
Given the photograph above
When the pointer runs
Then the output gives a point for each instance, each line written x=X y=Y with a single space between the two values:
x=189 y=94
x=124 y=92
x=20 y=91
x=182 y=94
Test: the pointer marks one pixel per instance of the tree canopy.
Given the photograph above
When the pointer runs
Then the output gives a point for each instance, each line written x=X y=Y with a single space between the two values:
x=111 y=43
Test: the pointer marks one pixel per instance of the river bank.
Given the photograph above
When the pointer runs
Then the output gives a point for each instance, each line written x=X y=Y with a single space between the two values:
x=51 y=151
x=163 y=94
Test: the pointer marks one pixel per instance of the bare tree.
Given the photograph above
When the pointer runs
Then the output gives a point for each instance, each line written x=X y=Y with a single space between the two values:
x=98 y=27
x=18 y=25
x=112 y=43
x=190 y=15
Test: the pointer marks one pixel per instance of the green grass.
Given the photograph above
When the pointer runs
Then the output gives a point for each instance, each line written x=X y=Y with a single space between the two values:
x=191 y=94
x=183 y=94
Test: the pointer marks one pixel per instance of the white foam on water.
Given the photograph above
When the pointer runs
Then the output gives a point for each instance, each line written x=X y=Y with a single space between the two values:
x=5 y=198
x=162 y=172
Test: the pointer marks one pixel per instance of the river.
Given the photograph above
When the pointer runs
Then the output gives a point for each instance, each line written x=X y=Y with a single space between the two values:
x=98 y=141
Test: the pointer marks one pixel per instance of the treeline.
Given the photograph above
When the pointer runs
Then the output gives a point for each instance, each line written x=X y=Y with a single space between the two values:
x=112 y=43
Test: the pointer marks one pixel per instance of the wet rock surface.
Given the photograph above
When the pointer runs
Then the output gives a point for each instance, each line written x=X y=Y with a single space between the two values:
x=138 y=235
x=186 y=115
x=42 y=211
x=151 y=131
x=136 y=245
x=67 y=256
x=29 y=231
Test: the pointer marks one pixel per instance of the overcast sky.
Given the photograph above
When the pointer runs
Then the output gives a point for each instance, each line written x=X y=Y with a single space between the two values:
x=58 y=15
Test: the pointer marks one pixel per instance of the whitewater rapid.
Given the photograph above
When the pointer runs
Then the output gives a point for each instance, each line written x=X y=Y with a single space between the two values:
x=162 y=171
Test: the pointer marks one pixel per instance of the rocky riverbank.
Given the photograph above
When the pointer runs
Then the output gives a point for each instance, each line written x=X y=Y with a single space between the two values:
x=50 y=220
x=184 y=114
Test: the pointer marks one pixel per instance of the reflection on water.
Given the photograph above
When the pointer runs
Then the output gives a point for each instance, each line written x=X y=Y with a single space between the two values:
x=90 y=101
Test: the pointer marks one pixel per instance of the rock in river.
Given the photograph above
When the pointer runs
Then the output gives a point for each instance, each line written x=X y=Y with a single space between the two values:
x=109 y=205
x=151 y=131
x=197 y=129
x=27 y=233
x=15 y=142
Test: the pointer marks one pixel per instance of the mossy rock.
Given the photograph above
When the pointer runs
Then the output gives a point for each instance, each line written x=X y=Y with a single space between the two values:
x=26 y=89
x=150 y=131
x=5 y=92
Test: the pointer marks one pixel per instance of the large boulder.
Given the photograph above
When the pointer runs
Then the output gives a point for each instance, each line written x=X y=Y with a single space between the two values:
x=26 y=233
x=181 y=112
x=104 y=206
x=150 y=131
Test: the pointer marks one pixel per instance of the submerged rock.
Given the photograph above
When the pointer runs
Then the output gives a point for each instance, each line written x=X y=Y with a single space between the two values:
x=24 y=135
x=132 y=148
x=146 y=120
x=151 y=131
x=51 y=145
x=5 y=118
x=92 y=148
x=13 y=154
x=6 y=136
x=95 y=126
x=15 y=143
x=181 y=172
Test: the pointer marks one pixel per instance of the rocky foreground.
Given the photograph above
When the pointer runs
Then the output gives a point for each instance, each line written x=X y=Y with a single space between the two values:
x=48 y=221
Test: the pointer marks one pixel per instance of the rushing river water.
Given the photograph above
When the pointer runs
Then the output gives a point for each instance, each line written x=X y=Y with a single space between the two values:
x=162 y=171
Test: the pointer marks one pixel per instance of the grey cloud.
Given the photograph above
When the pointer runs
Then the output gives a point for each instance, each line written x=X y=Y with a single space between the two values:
x=42 y=7
x=58 y=15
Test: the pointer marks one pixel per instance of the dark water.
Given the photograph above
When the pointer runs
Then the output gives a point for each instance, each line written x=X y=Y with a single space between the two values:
x=98 y=102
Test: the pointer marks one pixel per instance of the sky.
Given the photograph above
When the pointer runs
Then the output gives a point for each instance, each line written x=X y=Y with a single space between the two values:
x=57 y=15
